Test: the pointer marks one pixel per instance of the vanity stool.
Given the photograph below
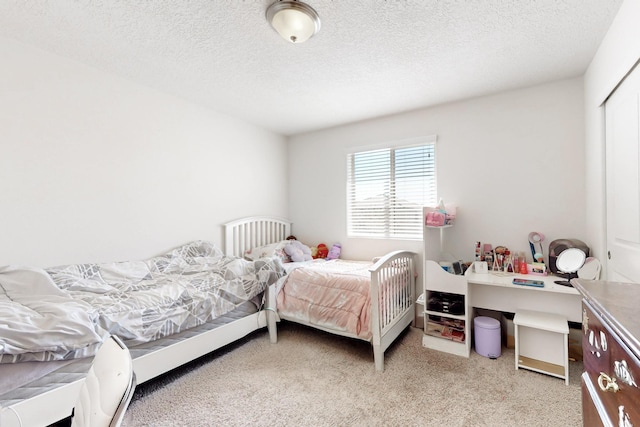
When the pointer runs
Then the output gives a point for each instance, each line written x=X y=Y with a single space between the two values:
x=542 y=343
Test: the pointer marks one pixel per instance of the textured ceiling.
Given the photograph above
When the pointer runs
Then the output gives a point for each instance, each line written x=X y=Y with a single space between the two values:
x=371 y=57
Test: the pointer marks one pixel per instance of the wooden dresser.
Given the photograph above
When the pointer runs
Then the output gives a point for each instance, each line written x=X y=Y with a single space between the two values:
x=611 y=353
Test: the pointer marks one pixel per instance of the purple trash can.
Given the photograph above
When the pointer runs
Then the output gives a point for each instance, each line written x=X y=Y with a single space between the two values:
x=487 y=337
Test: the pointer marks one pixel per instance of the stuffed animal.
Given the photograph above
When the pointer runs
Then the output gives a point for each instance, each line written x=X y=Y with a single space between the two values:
x=314 y=252
x=298 y=251
x=323 y=251
x=334 y=253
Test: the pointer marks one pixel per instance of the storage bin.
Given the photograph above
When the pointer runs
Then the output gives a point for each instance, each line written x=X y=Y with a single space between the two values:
x=487 y=337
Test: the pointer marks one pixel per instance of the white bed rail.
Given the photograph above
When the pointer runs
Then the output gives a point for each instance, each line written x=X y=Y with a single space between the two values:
x=251 y=232
x=393 y=291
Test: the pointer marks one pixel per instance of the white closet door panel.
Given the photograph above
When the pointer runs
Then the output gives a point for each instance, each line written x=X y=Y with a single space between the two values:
x=622 y=112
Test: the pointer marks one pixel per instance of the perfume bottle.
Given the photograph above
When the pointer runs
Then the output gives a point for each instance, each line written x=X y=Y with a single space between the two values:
x=523 y=263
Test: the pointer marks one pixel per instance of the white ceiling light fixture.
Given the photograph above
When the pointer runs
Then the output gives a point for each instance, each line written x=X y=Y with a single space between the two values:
x=294 y=20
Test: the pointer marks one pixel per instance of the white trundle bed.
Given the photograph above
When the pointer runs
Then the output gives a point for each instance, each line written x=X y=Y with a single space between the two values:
x=40 y=393
x=389 y=289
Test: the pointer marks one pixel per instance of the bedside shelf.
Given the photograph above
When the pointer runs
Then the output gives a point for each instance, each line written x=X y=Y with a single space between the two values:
x=445 y=331
x=447 y=346
x=443 y=292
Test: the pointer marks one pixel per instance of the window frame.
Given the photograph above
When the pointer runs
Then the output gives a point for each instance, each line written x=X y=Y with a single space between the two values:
x=390 y=229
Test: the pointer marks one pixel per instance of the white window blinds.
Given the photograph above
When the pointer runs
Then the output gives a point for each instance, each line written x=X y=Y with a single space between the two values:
x=387 y=189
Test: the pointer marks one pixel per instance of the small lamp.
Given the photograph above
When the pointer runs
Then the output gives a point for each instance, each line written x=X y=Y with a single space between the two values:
x=294 y=20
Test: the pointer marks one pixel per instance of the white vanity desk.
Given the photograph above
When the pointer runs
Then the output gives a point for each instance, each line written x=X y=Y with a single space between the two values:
x=495 y=291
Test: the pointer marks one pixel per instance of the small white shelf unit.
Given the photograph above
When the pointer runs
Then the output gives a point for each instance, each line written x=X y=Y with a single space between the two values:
x=444 y=331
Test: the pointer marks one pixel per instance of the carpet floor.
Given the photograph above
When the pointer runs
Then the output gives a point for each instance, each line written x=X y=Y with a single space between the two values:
x=312 y=378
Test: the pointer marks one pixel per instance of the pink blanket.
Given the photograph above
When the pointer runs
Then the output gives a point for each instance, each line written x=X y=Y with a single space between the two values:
x=333 y=295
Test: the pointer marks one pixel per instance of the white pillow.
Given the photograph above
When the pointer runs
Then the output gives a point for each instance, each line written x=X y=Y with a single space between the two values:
x=269 y=251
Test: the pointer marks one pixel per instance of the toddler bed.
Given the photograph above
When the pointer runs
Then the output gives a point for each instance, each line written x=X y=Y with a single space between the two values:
x=168 y=309
x=371 y=301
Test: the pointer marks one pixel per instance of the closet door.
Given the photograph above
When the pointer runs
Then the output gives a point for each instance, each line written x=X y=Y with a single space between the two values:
x=622 y=112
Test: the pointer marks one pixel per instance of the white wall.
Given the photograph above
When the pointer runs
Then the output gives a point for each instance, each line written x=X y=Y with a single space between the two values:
x=617 y=54
x=512 y=162
x=96 y=168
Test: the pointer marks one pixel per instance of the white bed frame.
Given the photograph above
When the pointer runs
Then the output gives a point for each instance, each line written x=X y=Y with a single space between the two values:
x=392 y=316
x=56 y=404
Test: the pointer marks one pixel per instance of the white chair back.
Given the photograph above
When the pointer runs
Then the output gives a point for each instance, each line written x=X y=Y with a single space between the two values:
x=108 y=388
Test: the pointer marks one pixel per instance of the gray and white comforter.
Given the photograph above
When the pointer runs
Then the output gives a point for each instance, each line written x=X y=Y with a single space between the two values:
x=38 y=321
x=139 y=301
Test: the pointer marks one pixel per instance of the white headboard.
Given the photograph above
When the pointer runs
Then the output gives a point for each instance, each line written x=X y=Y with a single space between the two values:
x=247 y=233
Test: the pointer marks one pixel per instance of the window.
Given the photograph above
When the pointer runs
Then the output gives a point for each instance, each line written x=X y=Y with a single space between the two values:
x=387 y=189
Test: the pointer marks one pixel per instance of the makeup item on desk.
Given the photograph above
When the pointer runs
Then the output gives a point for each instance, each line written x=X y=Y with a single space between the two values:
x=523 y=267
x=526 y=282
x=497 y=263
x=487 y=251
x=536 y=238
x=507 y=265
x=537 y=268
x=480 y=267
x=488 y=259
x=487 y=248
x=522 y=260
x=500 y=258
x=533 y=251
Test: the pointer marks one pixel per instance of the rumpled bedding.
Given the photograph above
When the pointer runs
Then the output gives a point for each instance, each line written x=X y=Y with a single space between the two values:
x=331 y=294
x=40 y=322
x=139 y=301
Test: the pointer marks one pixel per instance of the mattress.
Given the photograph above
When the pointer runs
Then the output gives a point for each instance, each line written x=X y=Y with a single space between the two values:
x=329 y=294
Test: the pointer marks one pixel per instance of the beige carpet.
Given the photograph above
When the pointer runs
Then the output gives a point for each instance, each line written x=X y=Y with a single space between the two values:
x=311 y=378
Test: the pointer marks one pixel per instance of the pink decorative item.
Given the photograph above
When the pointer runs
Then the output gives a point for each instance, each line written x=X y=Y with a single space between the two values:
x=435 y=219
x=537 y=268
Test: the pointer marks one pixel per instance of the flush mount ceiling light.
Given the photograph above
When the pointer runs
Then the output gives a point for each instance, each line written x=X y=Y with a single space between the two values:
x=295 y=21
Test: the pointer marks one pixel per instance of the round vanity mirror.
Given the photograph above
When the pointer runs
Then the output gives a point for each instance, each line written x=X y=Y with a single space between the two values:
x=570 y=261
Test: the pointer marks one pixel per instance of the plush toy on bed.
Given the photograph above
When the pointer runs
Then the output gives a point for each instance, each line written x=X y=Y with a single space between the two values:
x=323 y=251
x=298 y=251
x=334 y=253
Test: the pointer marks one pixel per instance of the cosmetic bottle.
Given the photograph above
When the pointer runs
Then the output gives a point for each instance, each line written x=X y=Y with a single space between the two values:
x=523 y=264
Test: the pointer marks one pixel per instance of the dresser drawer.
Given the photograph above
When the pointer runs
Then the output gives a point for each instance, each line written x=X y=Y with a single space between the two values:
x=596 y=340
x=612 y=370
x=592 y=414
x=626 y=370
